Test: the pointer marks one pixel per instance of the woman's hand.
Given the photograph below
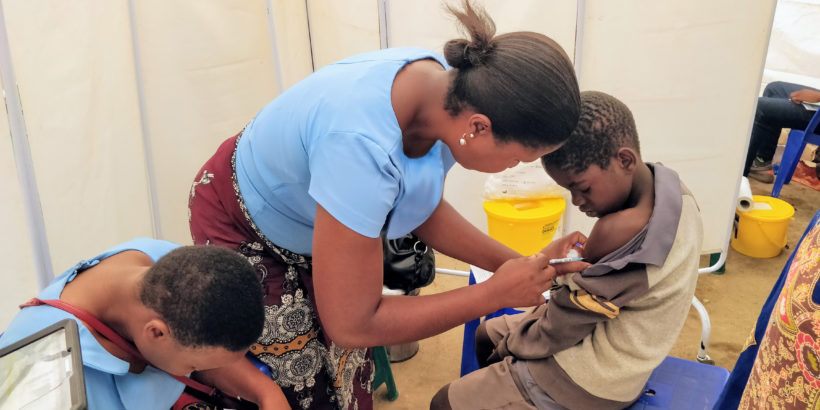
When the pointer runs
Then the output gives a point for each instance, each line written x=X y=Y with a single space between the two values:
x=559 y=248
x=521 y=282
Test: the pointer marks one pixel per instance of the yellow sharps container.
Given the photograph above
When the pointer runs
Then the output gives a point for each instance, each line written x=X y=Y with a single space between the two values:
x=525 y=225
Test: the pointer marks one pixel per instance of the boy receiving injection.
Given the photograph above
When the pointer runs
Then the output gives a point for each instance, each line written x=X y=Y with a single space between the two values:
x=605 y=329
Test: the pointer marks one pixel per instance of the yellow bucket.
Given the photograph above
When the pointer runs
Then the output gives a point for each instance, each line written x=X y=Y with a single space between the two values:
x=525 y=225
x=761 y=232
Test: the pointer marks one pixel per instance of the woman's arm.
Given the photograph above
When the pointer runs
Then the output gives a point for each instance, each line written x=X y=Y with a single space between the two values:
x=347 y=277
x=451 y=234
x=243 y=379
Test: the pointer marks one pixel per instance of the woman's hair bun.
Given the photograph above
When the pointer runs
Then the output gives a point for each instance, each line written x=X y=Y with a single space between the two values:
x=463 y=54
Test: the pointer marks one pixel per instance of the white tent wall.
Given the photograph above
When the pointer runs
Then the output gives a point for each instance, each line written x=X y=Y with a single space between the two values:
x=690 y=73
x=341 y=28
x=794 y=49
x=207 y=68
x=75 y=75
x=289 y=40
x=18 y=279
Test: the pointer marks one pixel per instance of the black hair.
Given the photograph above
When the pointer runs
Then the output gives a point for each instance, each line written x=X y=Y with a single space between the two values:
x=208 y=296
x=605 y=126
x=522 y=81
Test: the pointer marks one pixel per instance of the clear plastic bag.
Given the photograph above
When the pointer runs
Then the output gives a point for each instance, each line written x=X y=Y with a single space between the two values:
x=527 y=180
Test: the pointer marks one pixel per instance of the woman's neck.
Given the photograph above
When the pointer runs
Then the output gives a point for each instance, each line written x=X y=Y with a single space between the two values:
x=418 y=100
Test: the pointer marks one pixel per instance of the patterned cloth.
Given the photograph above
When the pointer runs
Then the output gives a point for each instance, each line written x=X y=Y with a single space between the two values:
x=312 y=371
x=786 y=371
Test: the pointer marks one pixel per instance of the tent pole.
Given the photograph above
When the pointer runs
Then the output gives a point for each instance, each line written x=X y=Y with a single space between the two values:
x=23 y=161
x=156 y=225
x=384 y=18
x=274 y=45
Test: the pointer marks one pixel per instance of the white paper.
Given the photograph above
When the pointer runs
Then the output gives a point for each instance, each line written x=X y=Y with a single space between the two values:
x=745 y=201
x=761 y=206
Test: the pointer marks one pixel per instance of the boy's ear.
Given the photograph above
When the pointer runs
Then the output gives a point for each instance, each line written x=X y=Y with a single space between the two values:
x=156 y=330
x=627 y=159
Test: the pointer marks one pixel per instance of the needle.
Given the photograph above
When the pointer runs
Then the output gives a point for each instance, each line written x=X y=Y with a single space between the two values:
x=565 y=260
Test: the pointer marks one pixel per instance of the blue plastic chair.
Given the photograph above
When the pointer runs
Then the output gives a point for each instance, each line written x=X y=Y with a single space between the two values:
x=469 y=362
x=794 y=149
x=683 y=385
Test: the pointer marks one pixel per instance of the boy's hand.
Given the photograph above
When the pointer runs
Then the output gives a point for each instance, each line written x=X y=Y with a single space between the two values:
x=559 y=248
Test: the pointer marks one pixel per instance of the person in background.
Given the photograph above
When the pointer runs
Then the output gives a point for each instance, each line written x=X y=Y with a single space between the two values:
x=606 y=328
x=781 y=106
x=358 y=151
x=187 y=310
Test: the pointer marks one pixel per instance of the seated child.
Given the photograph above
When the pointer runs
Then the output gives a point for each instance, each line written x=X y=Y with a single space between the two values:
x=605 y=329
x=186 y=309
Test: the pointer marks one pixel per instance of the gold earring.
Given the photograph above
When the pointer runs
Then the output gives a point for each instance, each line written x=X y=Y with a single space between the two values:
x=463 y=141
x=471 y=135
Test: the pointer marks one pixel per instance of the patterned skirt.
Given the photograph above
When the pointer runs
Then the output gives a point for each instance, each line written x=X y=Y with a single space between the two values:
x=313 y=372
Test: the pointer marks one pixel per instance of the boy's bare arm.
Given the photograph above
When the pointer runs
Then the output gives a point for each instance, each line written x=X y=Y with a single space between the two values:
x=613 y=231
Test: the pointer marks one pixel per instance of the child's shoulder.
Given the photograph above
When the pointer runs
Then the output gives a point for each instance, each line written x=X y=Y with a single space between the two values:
x=613 y=231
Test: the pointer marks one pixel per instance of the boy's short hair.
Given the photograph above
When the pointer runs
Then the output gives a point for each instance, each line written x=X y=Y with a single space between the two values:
x=605 y=125
x=207 y=295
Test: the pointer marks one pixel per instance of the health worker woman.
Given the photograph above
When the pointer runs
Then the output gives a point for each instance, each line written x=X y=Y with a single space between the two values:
x=359 y=150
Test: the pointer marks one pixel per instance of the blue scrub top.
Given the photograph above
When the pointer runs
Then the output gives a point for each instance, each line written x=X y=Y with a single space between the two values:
x=333 y=139
x=108 y=384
